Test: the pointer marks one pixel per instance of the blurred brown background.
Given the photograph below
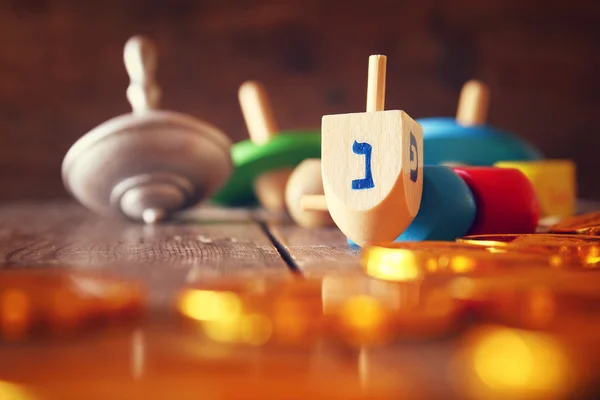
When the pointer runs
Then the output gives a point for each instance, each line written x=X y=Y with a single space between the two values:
x=61 y=68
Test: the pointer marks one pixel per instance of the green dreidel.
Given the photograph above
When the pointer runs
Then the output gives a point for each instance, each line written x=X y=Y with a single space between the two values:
x=264 y=163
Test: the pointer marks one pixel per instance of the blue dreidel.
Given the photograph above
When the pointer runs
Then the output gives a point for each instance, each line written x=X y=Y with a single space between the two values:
x=447 y=208
x=467 y=139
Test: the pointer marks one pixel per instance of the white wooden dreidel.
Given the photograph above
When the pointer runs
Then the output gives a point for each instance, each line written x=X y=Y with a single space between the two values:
x=264 y=162
x=372 y=166
x=306 y=180
x=151 y=163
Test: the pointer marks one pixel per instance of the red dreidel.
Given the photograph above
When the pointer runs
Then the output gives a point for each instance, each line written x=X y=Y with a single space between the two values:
x=505 y=198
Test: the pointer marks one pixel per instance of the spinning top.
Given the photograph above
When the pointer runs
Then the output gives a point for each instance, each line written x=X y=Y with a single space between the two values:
x=468 y=139
x=372 y=166
x=151 y=163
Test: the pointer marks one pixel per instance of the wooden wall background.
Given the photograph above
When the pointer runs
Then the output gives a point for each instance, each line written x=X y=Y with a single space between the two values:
x=61 y=68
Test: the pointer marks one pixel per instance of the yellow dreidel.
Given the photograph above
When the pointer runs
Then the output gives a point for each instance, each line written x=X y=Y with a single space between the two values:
x=372 y=166
x=554 y=182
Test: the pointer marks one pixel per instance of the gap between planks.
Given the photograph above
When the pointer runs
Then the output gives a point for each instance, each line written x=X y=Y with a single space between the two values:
x=314 y=252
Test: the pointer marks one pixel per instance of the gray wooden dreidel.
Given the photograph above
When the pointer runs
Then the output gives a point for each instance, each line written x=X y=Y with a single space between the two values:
x=372 y=166
x=149 y=164
x=306 y=181
x=269 y=187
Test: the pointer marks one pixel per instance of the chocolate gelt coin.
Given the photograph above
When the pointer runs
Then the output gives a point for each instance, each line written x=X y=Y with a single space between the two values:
x=570 y=250
x=584 y=224
x=406 y=261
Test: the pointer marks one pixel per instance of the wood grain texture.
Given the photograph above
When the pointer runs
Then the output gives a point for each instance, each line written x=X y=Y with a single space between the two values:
x=62 y=73
x=163 y=257
x=316 y=252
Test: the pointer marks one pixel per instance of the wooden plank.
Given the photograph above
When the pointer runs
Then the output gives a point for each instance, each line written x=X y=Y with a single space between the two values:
x=315 y=252
x=164 y=257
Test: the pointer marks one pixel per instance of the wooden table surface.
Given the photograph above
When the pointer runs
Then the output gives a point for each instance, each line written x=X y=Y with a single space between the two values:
x=202 y=244
x=206 y=242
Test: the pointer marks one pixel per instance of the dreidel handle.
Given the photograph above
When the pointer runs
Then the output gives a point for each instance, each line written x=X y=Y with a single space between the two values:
x=140 y=57
x=376 y=83
x=313 y=202
x=257 y=111
x=473 y=104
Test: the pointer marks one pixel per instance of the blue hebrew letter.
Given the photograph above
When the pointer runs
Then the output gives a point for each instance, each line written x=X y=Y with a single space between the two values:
x=414 y=158
x=367 y=181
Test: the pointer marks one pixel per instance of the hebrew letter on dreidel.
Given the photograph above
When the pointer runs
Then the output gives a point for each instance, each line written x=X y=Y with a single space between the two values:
x=367 y=181
x=414 y=158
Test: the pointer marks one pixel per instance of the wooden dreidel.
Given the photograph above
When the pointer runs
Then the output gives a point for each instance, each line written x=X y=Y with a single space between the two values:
x=554 y=182
x=372 y=166
x=506 y=201
x=264 y=162
x=447 y=208
x=468 y=139
x=306 y=180
x=151 y=163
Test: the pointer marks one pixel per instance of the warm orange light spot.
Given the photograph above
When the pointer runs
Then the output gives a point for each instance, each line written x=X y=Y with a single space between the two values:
x=462 y=264
x=12 y=391
x=15 y=313
x=394 y=265
x=207 y=305
x=363 y=312
x=504 y=363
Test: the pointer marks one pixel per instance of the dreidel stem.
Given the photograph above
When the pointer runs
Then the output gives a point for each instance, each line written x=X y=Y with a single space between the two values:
x=473 y=104
x=257 y=111
x=376 y=83
x=313 y=202
x=140 y=57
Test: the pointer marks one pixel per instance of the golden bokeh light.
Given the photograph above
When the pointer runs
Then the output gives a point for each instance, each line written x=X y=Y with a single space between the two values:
x=410 y=261
x=396 y=266
x=13 y=391
x=62 y=301
x=349 y=308
x=207 y=305
x=497 y=362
